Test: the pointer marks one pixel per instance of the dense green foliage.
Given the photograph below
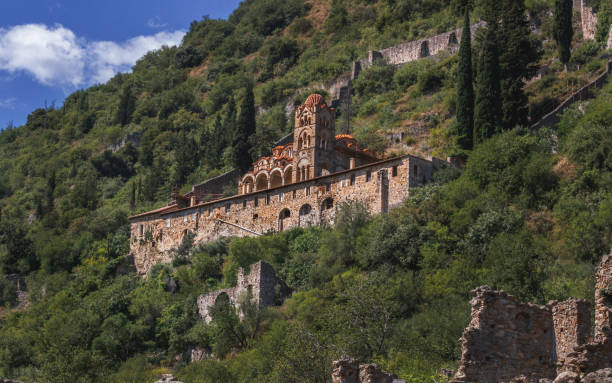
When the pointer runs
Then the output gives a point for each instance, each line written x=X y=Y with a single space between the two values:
x=530 y=214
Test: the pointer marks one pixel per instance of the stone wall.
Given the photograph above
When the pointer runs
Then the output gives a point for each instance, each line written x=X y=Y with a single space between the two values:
x=215 y=186
x=603 y=298
x=414 y=50
x=584 y=93
x=511 y=341
x=506 y=338
x=261 y=282
x=348 y=370
x=378 y=186
x=588 y=21
x=572 y=324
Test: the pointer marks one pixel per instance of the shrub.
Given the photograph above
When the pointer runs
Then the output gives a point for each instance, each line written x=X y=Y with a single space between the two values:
x=374 y=80
x=430 y=80
x=584 y=53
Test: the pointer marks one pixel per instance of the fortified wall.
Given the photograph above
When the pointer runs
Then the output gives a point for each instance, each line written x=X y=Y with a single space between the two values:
x=507 y=340
x=415 y=50
x=261 y=283
x=379 y=186
x=302 y=183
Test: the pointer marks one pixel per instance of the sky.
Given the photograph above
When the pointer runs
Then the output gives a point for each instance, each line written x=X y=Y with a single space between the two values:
x=50 y=48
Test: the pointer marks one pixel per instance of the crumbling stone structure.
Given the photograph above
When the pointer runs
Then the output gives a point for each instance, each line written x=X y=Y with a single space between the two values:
x=261 y=283
x=415 y=50
x=348 y=370
x=301 y=184
x=507 y=340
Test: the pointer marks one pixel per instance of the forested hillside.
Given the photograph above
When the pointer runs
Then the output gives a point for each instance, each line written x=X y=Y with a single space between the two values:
x=531 y=213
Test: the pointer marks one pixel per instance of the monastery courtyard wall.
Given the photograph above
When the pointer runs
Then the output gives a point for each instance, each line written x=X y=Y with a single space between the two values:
x=379 y=186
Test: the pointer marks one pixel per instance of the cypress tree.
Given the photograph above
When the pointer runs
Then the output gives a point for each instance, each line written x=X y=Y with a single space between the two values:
x=127 y=104
x=517 y=55
x=487 y=111
x=245 y=128
x=132 y=195
x=465 y=89
x=563 y=30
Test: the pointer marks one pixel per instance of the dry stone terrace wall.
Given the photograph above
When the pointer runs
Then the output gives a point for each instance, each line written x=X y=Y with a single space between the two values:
x=378 y=186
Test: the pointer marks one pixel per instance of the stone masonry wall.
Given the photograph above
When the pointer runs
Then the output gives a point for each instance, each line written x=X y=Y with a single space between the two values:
x=572 y=324
x=154 y=236
x=414 y=50
x=348 y=370
x=603 y=298
x=261 y=282
x=506 y=338
x=511 y=341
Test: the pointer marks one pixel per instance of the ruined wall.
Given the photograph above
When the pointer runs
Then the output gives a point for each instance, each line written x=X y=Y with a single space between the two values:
x=588 y=20
x=603 y=298
x=348 y=370
x=506 y=338
x=572 y=324
x=310 y=202
x=414 y=50
x=261 y=282
x=596 y=355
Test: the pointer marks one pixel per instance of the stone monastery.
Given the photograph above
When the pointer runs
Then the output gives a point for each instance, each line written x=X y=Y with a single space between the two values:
x=300 y=184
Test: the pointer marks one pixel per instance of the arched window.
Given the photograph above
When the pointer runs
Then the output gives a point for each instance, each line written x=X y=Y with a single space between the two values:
x=305 y=209
x=328 y=203
x=261 y=183
x=276 y=179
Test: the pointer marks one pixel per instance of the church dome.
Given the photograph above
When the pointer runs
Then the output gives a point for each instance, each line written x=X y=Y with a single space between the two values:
x=314 y=100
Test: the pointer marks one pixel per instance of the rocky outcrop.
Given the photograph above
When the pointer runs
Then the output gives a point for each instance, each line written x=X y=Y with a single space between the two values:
x=510 y=341
x=168 y=378
x=348 y=370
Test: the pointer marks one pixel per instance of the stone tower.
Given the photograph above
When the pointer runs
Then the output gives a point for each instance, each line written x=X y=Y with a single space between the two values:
x=314 y=139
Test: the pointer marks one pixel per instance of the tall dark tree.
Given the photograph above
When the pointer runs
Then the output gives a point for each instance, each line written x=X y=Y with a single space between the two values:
x=186 y=158
x=229 y=122
x=487 y=110
x=212 y=143
x=563 y=30
x=465 y=88
x=245 y=128
x=132 y=195
x=517 y=57
x=127 y=104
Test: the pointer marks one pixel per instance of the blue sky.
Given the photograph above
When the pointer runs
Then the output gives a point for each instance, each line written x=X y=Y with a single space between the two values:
x=50 y=48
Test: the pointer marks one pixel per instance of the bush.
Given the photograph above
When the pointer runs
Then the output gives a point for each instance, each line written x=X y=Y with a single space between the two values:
x=374 y=80
x=407 y=75
x=584 y=53
x=430 y=80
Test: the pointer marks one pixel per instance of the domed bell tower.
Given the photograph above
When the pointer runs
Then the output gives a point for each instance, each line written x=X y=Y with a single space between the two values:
x=313 y=139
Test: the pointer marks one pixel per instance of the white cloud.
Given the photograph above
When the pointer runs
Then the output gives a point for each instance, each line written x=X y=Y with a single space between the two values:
x=56 y=56
x=107 y=58
x=52 y=55
x=8 y=103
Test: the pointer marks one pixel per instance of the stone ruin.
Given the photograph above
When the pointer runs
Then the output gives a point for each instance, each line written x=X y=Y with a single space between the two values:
x=348 y=370
x=510 y=341
x=261 y=282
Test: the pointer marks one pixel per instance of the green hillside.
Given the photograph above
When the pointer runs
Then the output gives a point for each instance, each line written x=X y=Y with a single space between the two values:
x=531 y=213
